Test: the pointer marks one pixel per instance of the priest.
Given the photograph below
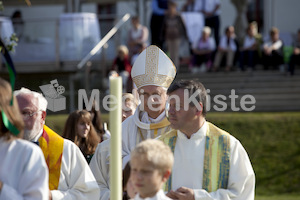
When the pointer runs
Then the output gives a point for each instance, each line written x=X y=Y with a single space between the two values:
x=69 y=174
x=209 y=163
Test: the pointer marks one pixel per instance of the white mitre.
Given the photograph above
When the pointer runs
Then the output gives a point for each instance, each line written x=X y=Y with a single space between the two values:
x=153 y=67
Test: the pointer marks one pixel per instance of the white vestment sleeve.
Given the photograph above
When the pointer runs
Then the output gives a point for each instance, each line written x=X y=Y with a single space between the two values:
x=27 y=173
x=100 y=168
x=76 y=178
x=241 y=182
x=129 y=132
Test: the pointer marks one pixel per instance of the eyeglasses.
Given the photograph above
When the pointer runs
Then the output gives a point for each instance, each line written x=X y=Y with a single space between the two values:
x=26 y=115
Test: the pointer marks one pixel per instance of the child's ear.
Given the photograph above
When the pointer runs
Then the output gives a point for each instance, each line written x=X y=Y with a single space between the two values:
x=166 y=175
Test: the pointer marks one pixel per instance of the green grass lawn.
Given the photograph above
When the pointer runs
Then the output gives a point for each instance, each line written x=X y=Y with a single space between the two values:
x=279 y=197
x=272 y=141
x=273 y=144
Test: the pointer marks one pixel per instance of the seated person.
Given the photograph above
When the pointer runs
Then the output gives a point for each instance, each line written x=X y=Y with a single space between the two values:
x=151 y=165
x=273 y=50
x=227 y=47
x=122 y=65
x=258 y=37
x=80 y=130
x=203 y=51
x=295 y=57
x=247 y=52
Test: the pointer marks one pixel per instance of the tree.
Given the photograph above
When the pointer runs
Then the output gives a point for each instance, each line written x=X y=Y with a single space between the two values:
x=241 y=21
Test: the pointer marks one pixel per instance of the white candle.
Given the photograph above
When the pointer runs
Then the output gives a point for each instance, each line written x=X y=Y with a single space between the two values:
x=115 y=125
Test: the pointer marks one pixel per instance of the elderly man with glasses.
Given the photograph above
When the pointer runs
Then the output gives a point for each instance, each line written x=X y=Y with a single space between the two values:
x=69 y=174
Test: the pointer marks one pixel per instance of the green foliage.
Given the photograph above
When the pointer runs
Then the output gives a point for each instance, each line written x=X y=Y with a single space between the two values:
x=56 y=122
x=11 y=43
x=271 y=140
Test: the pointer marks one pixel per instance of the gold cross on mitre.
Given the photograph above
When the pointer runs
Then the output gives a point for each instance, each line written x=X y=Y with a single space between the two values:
x=153 y=67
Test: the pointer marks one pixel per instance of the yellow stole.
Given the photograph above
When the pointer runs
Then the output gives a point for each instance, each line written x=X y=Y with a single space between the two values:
x=163 y=123
x=155 y=126
x=52 y=146
x=216 y=158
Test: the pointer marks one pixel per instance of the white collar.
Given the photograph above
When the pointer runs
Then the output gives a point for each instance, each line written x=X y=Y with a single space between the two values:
x=146 y=118
x=197 y=135
x=159 y=195
x=144 y=122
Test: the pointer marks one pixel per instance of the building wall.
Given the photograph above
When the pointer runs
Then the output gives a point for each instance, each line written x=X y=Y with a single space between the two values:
x=279 y=13
x=41 y=20
x=284 y=14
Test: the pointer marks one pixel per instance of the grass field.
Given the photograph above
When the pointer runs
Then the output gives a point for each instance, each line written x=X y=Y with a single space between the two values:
x=272 y=141
x=279 y=197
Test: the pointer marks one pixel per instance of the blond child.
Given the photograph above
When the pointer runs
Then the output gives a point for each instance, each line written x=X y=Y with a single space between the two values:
x=151 y=164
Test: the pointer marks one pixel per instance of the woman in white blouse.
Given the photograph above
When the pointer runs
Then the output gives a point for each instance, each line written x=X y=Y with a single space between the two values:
x=273 y=50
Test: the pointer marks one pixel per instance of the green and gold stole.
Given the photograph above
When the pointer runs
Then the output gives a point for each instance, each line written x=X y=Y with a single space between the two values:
x=164 y=125
x=52 y=146
x=216 y=158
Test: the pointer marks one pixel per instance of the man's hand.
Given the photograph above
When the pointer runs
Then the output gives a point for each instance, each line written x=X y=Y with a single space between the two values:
x=171 y=195
x=183 y=193
x=267 y=50
x=297 y=51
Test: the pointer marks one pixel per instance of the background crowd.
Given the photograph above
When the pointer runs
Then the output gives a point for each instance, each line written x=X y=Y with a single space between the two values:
x=213 y=51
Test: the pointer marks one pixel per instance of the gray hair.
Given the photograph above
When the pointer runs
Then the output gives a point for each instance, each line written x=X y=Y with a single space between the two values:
x=41 y=99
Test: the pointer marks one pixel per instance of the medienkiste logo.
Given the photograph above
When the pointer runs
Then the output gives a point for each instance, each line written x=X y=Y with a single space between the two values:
x=53 y=94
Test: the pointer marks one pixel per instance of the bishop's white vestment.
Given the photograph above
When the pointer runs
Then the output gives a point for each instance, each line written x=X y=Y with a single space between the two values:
x=135 y=129
x=139 y=127
x=100 y=168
